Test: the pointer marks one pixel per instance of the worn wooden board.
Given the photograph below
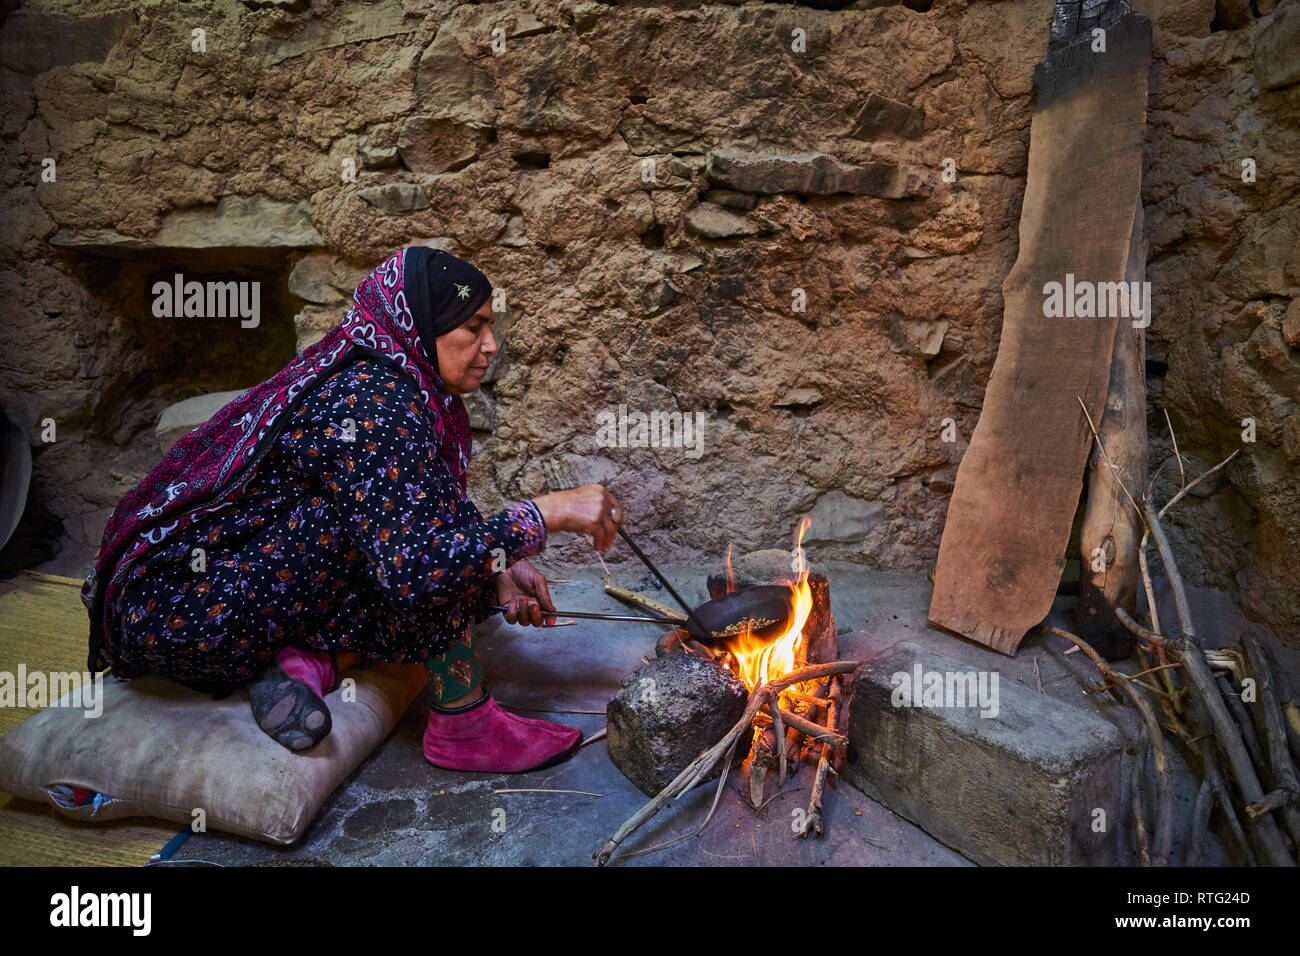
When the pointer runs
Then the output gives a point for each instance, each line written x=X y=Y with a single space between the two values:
x=1018 y=485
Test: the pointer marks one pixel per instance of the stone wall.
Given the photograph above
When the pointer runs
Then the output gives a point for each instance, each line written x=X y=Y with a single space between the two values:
x=651 y=186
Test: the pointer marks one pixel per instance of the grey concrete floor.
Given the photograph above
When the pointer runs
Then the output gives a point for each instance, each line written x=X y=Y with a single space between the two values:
x=396 y=809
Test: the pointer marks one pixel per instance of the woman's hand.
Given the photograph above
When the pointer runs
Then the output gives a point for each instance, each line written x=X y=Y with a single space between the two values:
x=587 y=510
x=522 y=589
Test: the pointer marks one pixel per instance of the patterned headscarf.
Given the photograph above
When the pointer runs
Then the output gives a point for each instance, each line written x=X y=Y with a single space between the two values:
x=392 y=316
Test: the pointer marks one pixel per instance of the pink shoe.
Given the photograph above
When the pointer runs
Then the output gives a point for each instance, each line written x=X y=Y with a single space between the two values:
x=485 y=738
x=313 y=668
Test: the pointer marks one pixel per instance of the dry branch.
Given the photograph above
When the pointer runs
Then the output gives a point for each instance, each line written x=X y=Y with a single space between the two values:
x=645 y=603
x=813 y=818
x=1198 y=674
x=1285 y=775
x=1163 y=768
x=815 y=731
x=1244 y=723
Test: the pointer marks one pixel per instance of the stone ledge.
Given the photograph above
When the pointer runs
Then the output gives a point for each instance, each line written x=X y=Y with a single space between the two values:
x=1017 y=788
x=235 y=222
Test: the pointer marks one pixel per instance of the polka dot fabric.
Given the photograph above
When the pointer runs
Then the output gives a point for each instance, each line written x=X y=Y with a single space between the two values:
x=352 y=535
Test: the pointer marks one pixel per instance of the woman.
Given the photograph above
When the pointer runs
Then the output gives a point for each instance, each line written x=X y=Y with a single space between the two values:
x=321 y=518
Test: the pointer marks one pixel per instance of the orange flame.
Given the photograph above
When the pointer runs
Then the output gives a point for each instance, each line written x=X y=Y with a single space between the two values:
x=758 y=661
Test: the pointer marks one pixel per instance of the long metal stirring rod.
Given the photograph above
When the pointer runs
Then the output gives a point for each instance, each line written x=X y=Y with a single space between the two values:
x=653 y=570
x=634 y=619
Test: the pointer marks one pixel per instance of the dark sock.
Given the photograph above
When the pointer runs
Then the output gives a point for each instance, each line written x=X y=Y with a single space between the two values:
x=463 y=707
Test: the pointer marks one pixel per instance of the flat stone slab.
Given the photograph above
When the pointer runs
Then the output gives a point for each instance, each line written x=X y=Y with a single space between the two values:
x=233 y=222
x=1000 y=772
x=177 y=421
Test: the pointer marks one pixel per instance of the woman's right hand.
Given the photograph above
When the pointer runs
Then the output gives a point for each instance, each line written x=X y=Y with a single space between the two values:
x=587 y=510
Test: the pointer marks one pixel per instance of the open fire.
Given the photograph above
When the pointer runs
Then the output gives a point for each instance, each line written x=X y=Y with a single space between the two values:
x=799 y=690
x=805 y=722
x=757 y=661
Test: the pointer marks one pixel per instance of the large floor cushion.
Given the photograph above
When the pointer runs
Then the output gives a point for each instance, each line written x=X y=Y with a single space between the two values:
x=161 y=750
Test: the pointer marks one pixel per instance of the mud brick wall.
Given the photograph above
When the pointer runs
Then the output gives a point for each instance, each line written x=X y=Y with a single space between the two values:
x=656 y=188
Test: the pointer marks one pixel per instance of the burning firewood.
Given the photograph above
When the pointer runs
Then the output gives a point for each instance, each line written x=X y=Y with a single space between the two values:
x=812 y=822
x=764 y=695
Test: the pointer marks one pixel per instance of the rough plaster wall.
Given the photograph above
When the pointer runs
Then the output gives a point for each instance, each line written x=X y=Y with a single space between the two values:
x=669 y=295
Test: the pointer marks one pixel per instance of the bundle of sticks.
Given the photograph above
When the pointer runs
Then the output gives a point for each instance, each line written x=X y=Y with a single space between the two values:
x=793 y=718
x=1248 y=755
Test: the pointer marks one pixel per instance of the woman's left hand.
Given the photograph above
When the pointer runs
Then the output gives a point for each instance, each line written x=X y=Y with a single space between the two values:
x=522 y=589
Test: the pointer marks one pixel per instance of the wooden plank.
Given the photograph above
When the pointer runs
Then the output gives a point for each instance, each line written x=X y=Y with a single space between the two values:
x=1018 y=485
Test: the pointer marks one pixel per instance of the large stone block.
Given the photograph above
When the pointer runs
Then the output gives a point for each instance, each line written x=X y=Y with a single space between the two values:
x=428 y=145
x=669 y=712
x=234 y=222
x=816 y=174
x=33 y=41
x=1277 y=47
x=883 y=118
x=1019 y=787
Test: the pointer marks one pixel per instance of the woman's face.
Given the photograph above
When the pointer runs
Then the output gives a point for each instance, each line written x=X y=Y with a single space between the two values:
x=464 y=352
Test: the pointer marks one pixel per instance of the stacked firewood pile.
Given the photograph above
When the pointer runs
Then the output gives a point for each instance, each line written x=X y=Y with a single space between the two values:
x=1231 y=710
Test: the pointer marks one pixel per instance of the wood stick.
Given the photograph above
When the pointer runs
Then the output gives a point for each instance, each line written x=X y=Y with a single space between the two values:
x=1163 y=768
x=1273 y=800
x=804 y=748
x=1290 y=712
x=1146 y=534
x=1145 y=568
x=1199 y=826
x=1114 y=469
x=842 y=691
x=1285 y=775
x=701 y=765
x=813 y=819
x=1244 y=723
x=54 y=578
x=1136 y=804
x=1177 y=457
x=816 y=731
x=1198 y=673
x=757 y=780
x=807 y=699
x=778 y=737
x=1214 y=774
x=1109 y=528
x=760 y=761
x=645 y=603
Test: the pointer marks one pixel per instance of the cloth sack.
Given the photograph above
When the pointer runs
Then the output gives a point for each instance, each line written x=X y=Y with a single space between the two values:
x=162 y=750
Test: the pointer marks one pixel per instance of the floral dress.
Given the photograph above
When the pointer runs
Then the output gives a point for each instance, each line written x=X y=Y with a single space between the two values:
x=352 y=535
